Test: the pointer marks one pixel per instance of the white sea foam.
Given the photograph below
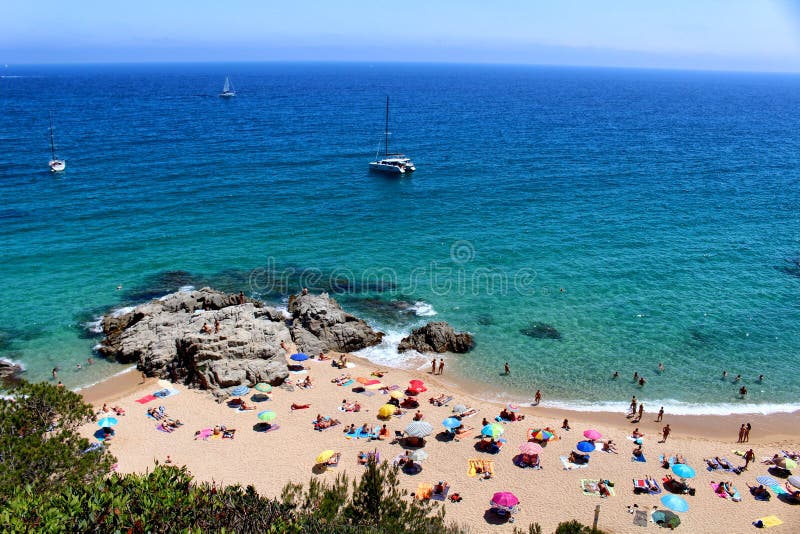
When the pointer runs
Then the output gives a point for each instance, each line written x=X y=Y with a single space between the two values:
x=13 y=362
x=422 y=309
x=119 y=312
x=96 y=326
x=386 y=353
x=186 y=289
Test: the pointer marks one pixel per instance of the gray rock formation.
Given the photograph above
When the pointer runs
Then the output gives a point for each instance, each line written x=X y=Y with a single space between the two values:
x=166 y=338
x=437 y=337
x=320 y=324
x=8 y=369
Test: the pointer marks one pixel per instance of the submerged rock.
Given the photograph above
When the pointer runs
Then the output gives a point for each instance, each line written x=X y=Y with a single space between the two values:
x=319 y=324
x=541 y=331
x=204 y=338
x=437 y=337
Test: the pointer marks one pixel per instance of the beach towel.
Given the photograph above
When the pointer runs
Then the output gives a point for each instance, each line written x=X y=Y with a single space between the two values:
x=772 y=484
x=733 y=468
x=477 y=466
x=640 y=486
x=358 y=434
x=671 y=460
x=146 y=399
x=204 y=434
x=462 y=432
x=724 y=495
x=424 y=491
x=569 y=465
x=367 y=393
x=639 y=458
x=769 y=521
x=166 y=392
x=518 y=462
x=345 y=384
x=738 y=453
x=469 y=413
x=640 y=518
x=393 y=387
x=441 y=496
x=589 y=487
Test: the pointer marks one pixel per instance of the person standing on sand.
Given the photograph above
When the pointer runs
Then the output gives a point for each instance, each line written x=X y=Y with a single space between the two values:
x=441 y=365
x=660 y=415
x=747 y=433
x=144 y=377
x=749 y=456
x=641 y=412
x=433 y=366
x=507 y=369
x=633 y=405
x=538 y=397
x=665 y=433
x=741 y=434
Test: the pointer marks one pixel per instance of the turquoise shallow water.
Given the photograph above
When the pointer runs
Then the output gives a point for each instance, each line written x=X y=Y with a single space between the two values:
x=664 y=204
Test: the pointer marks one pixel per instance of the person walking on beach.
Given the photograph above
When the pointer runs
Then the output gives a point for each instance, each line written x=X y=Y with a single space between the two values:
x=507 y=369
x=641 y=412
x=660 y=415
x=741 y=434
x=747 y=433
x=633 y=405
x=441 y=365
x=538 y=397
x=665 y=433
x=749 y=456
x=433 y=366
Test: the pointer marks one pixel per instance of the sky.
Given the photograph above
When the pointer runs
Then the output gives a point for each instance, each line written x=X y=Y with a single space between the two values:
x=755 y=35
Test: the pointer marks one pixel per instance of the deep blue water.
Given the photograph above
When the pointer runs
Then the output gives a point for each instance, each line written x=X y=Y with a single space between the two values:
x=664 y=204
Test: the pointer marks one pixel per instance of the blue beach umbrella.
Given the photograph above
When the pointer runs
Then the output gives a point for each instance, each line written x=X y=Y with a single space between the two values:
x=683 y=471
x=299 y=357
x=585 y=446
x=675 y=503
x=240 y=390
x=106 y=422
x=451 y=423
x=492 y=430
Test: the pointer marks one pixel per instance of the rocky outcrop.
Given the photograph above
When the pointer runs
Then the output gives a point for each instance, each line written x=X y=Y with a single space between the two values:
x=203 y=338
x=319 y=324
x=437 y=337
x=8 y=369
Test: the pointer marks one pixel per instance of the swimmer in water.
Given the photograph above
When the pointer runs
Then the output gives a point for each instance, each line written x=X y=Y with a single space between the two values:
x=724 y=375
x=635 y=376
x=738 y=377
x=642 y=381
x=760 y=378
x=615 y=375
x=119 y=287
x=660 y=367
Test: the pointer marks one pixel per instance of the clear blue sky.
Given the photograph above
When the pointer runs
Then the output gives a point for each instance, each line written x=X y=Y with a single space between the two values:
x=694 y=34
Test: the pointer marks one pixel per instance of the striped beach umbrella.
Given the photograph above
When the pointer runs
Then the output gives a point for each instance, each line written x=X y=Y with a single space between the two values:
x=418 y=455
x=240 y=390
x=263 y=387
x=492 y=430
x=419 y=429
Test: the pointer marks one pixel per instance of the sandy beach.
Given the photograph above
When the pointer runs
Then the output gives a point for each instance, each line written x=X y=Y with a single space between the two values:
x=550 y=495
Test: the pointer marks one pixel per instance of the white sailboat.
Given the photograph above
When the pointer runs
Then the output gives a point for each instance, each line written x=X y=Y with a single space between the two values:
x=227 y=89
x=56 y=165
x=390 y=163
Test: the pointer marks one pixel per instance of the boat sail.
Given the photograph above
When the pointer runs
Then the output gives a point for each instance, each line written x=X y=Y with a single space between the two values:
x=56 y=165
x=390 y=163
x=227 y=89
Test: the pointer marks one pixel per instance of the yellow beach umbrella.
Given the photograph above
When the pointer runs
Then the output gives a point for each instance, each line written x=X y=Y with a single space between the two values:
x=396 y=395
x=324 y=456
x=387 y=410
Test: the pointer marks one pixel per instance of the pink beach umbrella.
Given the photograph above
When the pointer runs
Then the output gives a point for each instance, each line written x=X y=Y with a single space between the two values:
x=511 y=407
x=504 y=499
x=530 y=448
x=592 y=434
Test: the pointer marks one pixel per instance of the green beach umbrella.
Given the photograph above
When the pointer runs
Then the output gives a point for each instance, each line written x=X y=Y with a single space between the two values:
x=267 y=415
x=263 y=387
x=493 y=430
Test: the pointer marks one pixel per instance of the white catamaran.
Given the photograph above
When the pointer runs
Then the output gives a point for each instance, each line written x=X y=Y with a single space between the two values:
x=227 y=89
x=56 y=165
x=390 y=163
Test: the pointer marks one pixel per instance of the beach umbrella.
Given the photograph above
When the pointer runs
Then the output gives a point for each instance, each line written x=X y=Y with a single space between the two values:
x=504 y=499
x=263 y=387
x=683 y=471
x=324 y=456
x=786 y=463
x=238 y=391
x=492 y=430
x=416 y=390
x=396 y=394
x=459 y=408
x=267 y=415
x=794 y=481
x=451 y=423
x=638 y=441
x=665 y=518
x=299 y=357
x=542 y=435
x=675 y=503
x=419 y=429
x=418 y=455
x=592 y=434
x=530 y=448
x=106 y=422
x=417 y=383
x=387 y=410
x=585 y=446
x=512 y=407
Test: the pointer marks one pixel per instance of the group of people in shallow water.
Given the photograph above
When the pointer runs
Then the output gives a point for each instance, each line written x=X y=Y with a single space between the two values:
x=641 y=380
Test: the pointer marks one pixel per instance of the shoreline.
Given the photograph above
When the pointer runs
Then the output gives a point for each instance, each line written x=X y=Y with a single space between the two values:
x=767 y=427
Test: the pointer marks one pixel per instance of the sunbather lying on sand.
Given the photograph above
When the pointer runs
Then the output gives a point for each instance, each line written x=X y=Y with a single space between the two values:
x=722 y=463
x=341 y=378
x=296 y=406
x=609 y=446
x=244 y=406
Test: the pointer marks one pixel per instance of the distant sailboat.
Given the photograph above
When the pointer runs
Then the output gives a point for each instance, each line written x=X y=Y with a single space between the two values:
x=56 y=165
x=227 y=89
x=390 y=163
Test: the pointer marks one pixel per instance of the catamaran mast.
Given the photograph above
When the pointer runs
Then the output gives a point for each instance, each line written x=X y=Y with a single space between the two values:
x=52 y=144
x=387 y=126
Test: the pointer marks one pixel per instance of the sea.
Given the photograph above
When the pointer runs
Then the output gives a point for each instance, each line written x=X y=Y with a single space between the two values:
x=576 y=221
